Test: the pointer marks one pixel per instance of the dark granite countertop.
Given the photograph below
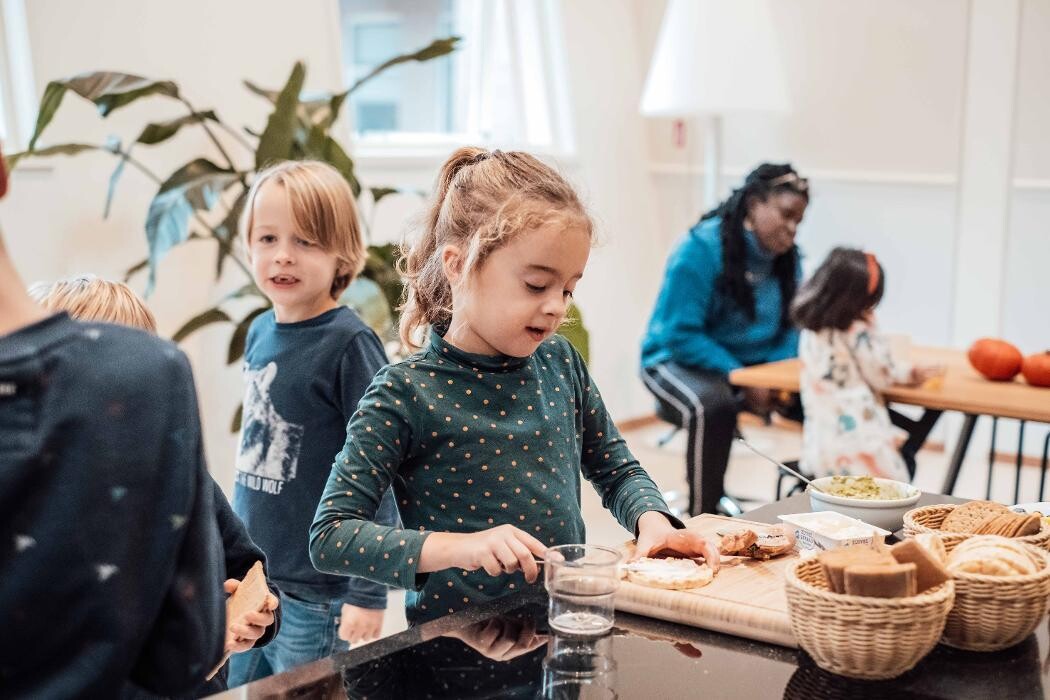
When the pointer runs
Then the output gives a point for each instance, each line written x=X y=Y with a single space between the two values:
x=641 y=658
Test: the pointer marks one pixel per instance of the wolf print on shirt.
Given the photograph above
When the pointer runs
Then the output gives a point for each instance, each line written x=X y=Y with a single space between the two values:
x=269 y=449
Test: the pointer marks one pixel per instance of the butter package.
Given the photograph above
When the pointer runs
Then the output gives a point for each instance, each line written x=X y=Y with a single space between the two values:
x=816 y=532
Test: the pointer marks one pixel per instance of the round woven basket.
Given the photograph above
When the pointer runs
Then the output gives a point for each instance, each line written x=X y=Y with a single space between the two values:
x=996 y=612
x=929 y=519
x=861 y=637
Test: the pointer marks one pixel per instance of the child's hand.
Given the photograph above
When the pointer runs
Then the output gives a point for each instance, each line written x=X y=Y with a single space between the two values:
x=503 y=549
x=656 y=534
x=501 y=639
x=360 y=624
x=243 y=632
x=920 y=374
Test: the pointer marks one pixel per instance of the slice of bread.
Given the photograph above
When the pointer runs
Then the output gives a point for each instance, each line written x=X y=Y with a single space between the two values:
x=835 y=561
x=933 y=544
x=672 y=574
x=929 y=571
x=993 y=555
x=881 y=580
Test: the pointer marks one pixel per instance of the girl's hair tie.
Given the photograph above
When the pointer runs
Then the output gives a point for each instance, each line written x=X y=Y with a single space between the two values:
x=873 y=273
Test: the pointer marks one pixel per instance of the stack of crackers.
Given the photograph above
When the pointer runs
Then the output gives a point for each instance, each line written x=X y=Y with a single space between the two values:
x=990 y=518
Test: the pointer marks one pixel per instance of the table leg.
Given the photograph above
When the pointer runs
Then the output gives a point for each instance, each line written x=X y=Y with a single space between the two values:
x=1042 y=465
x=991 y=459
x=960 y=453
x=1020 y=461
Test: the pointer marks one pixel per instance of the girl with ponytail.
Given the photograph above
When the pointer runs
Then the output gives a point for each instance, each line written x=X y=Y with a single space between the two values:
x=724 y=304
x=484 y=433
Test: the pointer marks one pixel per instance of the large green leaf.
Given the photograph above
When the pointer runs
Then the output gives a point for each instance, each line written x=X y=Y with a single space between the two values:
x=63 y=149
x=162 y=131
x=240 y=335
x=278 y=137
x=574 y=331
x=205 y=318
x=381 y=268
x=338 y=158
x=436 y=48
x=314 y=109
x=108 y=90
x=227 y=232
x=195 y=186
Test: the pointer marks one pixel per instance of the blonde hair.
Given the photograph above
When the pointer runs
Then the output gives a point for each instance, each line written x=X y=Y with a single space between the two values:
x=323 y=209
x=88 y=298
x=482 y=199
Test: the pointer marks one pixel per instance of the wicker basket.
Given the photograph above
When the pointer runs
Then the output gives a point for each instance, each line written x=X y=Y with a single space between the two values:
x=929 y=519
x=996 y=612
x=861 y=637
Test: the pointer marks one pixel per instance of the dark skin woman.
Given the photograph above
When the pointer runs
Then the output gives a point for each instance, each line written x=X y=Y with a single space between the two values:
x=724 y=304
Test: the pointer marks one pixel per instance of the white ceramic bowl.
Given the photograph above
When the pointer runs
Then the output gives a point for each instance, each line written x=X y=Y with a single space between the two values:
x=887 y=514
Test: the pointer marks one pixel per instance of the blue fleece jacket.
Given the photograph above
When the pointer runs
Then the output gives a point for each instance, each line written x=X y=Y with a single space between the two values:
x=695 y=325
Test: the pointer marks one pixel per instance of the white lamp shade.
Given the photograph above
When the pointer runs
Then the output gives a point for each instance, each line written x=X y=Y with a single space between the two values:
x=715 y=57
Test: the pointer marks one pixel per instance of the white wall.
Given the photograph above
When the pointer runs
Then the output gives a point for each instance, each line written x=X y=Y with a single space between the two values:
x=876 y=122
x=53 y=220
x=877 y=91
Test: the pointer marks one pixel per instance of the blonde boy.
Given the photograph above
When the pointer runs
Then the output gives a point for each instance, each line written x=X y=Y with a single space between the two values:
x=308 y=361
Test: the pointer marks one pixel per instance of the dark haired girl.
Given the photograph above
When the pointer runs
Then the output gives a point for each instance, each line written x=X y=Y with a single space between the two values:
x=724 y=305
x=846 y=365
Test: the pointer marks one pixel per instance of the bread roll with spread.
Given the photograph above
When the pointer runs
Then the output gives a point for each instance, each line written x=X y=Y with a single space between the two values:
x=671 y=573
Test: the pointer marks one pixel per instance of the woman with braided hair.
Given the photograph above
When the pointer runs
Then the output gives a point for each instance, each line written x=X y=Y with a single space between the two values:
x=724 y=304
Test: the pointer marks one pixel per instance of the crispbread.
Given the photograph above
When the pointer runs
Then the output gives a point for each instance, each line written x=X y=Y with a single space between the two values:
x=994 y=524
x=993 y=555
x=1031 y=525
x=670 y=573
x=966 y=517
x=933 y=544
x=250 y=596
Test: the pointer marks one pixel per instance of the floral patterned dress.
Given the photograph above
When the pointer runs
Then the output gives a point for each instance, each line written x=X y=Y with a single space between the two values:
x=847 y=428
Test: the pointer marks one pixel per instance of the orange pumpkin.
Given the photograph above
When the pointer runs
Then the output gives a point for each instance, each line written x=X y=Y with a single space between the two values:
x=996 y=359
x=1036 y=369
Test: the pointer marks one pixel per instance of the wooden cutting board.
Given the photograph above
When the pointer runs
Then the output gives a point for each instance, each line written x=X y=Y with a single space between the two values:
x=745 y=599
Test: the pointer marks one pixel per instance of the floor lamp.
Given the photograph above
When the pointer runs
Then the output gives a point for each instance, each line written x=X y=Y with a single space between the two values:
x=715 y=58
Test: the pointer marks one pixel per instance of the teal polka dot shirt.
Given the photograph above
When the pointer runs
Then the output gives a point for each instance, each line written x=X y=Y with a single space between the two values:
x=469 y=442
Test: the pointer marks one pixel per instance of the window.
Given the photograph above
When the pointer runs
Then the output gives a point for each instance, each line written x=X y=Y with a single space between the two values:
x=17 y=95
x=503 y=87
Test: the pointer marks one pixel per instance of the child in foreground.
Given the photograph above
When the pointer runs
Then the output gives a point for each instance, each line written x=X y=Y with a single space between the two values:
x=484 y=433
x=307 y=361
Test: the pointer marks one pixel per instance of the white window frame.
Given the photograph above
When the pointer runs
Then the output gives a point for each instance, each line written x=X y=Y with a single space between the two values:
x=18 y=106
x=535 y=28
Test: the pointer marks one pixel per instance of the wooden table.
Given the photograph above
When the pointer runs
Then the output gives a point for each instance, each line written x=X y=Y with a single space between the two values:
x=961 y=389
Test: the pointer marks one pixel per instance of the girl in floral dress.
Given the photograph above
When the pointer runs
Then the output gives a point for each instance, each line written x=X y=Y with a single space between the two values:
x=846 y=366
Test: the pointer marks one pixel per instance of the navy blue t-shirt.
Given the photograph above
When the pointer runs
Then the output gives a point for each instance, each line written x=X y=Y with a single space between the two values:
x=110 y=559
x=304 y=381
